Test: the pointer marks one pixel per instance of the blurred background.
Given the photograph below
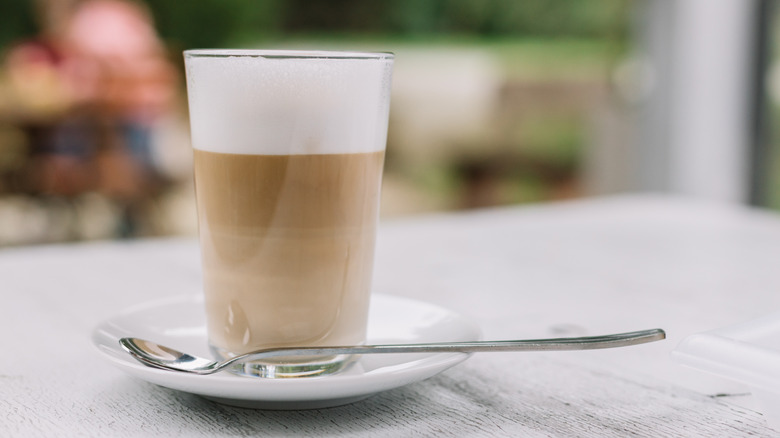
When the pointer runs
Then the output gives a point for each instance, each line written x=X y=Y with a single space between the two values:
x=495 y=102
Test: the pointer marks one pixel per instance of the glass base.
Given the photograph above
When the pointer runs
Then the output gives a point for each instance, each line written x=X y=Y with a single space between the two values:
x=288 y=367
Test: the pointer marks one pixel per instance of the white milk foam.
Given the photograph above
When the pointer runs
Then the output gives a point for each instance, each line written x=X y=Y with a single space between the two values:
x=269 y=106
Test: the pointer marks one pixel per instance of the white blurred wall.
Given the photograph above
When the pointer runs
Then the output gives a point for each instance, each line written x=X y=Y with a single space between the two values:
x=694 y=126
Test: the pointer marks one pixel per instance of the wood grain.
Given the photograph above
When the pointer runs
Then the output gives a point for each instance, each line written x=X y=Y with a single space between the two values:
x=579 y=268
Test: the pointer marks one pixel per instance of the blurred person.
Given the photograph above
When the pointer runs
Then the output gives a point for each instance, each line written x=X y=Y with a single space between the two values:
x=112 y=83
x=33 y=85
x=118 y=67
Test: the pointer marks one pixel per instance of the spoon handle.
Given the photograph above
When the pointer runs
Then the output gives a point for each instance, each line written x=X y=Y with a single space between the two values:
x=557 y=344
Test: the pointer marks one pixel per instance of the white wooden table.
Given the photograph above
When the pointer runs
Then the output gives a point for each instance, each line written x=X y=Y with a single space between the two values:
x=580 y=268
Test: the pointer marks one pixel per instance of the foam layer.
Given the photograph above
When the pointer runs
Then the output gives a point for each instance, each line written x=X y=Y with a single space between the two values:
x=277 y=106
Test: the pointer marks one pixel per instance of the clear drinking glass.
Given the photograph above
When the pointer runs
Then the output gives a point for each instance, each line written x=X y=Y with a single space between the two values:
x=288 y=156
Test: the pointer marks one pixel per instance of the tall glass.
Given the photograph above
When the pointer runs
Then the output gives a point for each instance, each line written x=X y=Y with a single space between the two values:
x=288 y=149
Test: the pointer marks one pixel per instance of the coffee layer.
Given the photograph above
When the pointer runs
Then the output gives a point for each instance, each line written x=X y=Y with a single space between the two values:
x=288 y=246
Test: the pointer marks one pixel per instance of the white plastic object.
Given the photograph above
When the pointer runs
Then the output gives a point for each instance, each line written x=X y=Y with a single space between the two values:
x=748 y=353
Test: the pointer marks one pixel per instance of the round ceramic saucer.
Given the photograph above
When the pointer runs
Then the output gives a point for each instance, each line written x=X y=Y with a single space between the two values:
x=180 y=323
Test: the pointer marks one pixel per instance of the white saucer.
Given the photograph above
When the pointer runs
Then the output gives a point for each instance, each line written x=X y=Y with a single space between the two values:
x=180 y=323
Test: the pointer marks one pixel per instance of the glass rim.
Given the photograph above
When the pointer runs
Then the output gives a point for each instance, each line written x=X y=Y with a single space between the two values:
x=287 y=54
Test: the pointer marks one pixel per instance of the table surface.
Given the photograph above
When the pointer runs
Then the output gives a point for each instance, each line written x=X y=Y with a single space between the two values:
x=578 y=268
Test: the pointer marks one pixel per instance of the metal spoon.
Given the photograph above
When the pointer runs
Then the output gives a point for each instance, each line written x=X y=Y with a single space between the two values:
x=160 y=356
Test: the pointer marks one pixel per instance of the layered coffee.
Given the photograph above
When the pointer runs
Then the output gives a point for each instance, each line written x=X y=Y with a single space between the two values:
x=288 y=162
x=287 y=244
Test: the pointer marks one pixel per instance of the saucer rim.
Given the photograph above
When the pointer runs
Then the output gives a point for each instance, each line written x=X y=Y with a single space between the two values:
x=302 y=393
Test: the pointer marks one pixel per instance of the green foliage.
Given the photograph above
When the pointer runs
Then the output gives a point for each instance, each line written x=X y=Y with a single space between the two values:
x=215 y=23
x=219 y=23
x=18 y=21
x=211 y=23
x=582 y=18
